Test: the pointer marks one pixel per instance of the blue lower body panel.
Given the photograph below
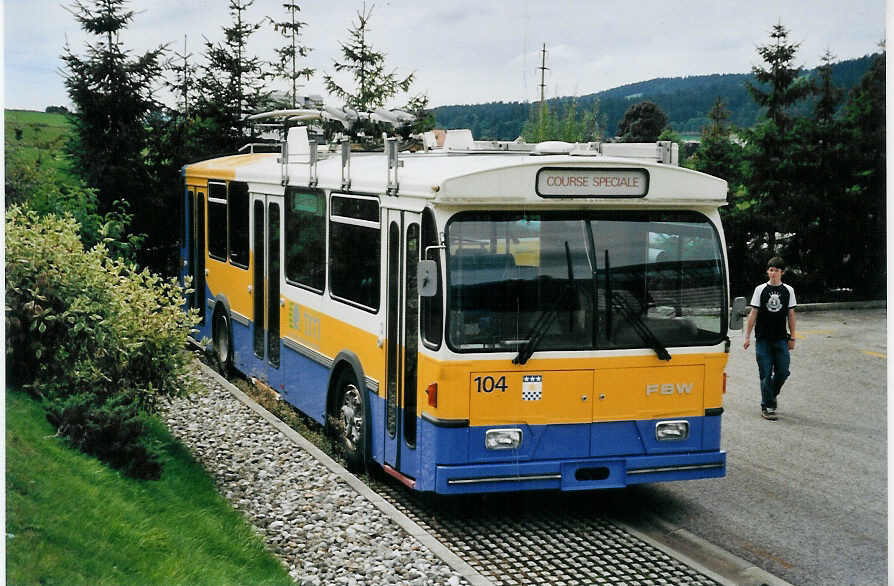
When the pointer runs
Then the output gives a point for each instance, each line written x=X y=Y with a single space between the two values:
x=567 y=457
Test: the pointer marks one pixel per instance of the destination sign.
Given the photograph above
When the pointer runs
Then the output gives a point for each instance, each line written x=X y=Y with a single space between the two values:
x=564 y=182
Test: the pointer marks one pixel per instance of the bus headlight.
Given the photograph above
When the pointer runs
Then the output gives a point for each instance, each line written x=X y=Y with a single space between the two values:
x=502 y=439
x=671 y=431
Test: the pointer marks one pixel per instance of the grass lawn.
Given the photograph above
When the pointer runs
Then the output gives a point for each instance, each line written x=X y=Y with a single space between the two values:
x=72 y=520
x=37 y=136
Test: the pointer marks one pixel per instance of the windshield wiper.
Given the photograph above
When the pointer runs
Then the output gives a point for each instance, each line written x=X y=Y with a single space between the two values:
x=633 y=318
x=546 y=319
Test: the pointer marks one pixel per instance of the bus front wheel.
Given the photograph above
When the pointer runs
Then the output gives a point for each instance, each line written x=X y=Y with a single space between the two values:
x=351 y=418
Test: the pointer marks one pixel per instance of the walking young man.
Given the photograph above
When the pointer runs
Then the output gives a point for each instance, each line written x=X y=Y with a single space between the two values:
x=772 y=308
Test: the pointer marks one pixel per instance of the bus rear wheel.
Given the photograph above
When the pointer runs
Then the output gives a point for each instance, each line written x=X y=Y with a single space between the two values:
x=351 y=420
x=221 y=346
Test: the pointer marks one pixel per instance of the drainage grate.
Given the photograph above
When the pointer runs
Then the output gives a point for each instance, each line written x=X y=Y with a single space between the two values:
x=539 y=538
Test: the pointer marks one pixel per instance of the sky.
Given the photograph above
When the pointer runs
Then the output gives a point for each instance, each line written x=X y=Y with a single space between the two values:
x=467 y=51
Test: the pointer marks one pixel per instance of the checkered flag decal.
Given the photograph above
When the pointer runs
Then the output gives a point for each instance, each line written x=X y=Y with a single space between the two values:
x=532 y=387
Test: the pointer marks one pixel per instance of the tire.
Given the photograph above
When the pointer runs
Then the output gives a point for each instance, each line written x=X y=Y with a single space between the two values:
x=350 y=415
x=222 y=347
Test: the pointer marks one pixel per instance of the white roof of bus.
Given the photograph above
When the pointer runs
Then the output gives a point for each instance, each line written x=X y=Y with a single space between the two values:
x=460 y=178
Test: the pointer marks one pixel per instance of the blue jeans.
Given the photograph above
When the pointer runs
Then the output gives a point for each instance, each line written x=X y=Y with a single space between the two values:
x=772 y=364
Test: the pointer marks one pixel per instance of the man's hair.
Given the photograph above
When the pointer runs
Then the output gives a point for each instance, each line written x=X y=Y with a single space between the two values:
x=776 y=262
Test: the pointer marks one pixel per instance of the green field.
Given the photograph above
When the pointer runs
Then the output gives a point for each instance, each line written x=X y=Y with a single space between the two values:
x=37 y=138
x=72 y=520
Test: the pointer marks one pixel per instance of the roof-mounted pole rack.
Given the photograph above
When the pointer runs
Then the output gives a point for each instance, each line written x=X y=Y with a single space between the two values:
x=391 y=152
x=284 y=160
x=663 y=151
x=312 y=177
x=345 y=144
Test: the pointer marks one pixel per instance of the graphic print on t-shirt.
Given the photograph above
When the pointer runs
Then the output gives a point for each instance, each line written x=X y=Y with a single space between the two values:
x=774 y=304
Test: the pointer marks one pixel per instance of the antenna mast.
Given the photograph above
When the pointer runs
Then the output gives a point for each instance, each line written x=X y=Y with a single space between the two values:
x=542 y=69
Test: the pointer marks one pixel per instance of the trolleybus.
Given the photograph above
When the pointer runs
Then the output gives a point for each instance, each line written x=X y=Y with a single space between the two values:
x=477 y=316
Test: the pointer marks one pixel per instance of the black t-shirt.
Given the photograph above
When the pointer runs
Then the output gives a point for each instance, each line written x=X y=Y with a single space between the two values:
x=772 y=303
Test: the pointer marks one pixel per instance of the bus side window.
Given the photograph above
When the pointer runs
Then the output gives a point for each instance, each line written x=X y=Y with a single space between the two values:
x=355 y=250
x=305 y=239
x=217 y=221
x=431 y=316
x=237 y=202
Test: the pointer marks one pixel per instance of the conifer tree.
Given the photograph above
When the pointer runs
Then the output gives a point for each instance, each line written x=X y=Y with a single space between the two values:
x=546 y=123
x=184 y=85
x=780 y=84
x=720 y=156
x=113 y=95
x=287 y=66
x=542 y=124
x=817 y=151
x=232 y=82
x=374 y=85
x=770 y=167
x=863 y=220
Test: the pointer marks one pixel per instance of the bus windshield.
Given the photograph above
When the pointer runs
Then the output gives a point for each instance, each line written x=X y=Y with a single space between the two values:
x=526 y=282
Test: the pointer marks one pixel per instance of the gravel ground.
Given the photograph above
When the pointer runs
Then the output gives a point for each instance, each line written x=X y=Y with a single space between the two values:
x=320 y=527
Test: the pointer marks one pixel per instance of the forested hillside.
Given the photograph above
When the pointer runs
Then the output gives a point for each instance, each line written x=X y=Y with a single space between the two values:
x=685 y=100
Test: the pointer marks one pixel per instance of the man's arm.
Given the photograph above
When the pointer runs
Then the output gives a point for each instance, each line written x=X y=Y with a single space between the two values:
x=749 y=325
x=791 y=328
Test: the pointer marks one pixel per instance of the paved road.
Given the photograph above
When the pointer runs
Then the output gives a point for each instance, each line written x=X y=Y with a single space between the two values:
x=805 y=497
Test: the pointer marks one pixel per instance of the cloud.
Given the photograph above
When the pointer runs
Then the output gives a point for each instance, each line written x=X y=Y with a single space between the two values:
x=466 y=51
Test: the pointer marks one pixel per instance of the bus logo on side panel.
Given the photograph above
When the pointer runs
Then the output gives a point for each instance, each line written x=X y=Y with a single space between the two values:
x=670 y=389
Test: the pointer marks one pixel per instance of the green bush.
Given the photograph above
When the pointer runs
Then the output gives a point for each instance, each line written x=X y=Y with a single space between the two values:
x=46 y=191
x=99 y=341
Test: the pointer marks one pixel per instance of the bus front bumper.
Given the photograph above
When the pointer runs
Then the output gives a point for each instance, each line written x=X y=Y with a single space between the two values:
x=579 y=474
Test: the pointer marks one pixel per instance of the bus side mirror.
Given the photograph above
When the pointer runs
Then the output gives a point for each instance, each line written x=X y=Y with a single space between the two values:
x=738 y=311
x=427 y=278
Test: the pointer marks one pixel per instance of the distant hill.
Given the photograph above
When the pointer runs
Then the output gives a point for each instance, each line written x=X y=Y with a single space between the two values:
x=685 y=100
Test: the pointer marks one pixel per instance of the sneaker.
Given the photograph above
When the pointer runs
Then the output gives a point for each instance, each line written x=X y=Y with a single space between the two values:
x=769 y=414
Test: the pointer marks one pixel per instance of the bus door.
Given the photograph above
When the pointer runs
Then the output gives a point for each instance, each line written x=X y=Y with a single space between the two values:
x=402 y=331
x=194 y=245
x=265 y=288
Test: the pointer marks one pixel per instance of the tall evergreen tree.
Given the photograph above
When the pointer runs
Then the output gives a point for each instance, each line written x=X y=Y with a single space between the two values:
x=542 y=124
x=818 y=247
x=113 y=95
x=374 y=85
x=719 y=117
x=425 y=120
x=232 y=82
x=550 y=123
x=770 y=167
x=864 y=137
x=779 y=83
x=184 y=84
x=720 y=156
x=287 y=65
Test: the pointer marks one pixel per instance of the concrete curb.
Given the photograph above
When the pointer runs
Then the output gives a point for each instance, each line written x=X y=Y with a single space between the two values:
x=838 y=305
x=700 y=554
x=448 y=557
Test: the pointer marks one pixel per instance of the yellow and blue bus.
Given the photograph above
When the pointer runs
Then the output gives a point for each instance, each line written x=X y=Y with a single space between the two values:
x=476 y=316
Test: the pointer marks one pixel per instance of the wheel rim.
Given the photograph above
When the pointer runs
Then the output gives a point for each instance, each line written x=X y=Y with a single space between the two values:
x=222 y=341
x=351 y=417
